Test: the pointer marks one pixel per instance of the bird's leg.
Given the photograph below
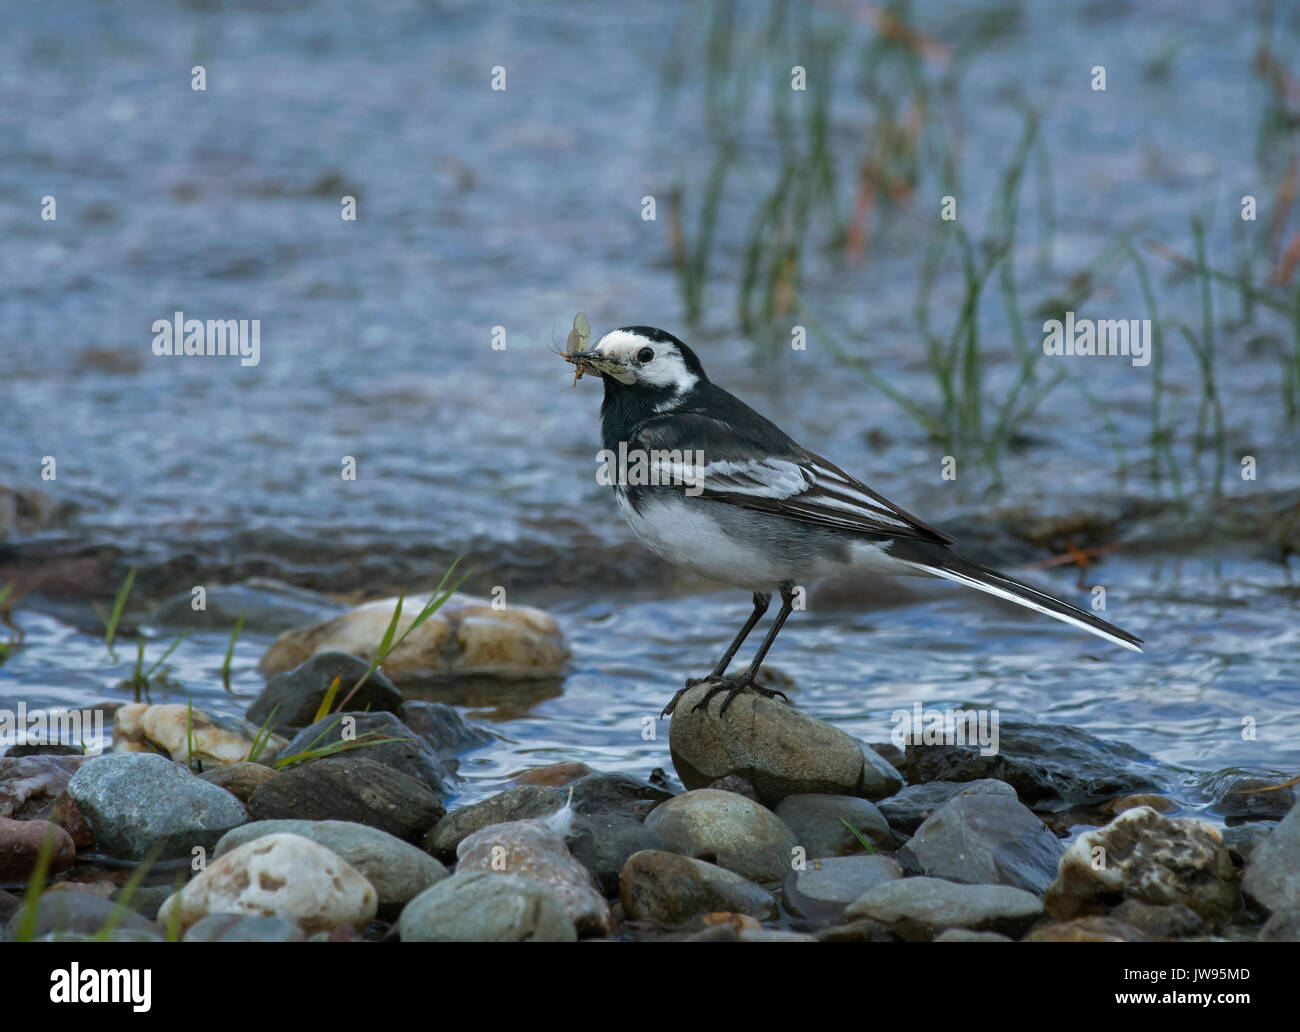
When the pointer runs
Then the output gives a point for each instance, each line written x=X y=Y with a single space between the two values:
x=738 y=683
x=761 y=603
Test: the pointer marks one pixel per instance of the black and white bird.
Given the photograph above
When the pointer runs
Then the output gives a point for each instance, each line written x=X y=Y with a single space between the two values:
x=734 y=498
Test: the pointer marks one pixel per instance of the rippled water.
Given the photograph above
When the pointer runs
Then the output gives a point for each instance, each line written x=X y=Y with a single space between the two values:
x=481 y=209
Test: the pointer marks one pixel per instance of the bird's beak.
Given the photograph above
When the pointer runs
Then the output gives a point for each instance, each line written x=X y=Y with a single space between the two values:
x=595 y=362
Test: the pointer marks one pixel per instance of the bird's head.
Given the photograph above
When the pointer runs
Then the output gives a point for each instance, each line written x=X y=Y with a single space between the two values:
x=641 y=358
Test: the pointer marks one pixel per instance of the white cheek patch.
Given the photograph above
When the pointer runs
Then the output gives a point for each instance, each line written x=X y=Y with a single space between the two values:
x=666 y=369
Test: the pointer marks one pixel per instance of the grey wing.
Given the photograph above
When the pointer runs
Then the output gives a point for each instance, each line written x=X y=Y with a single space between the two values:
x=793 y=482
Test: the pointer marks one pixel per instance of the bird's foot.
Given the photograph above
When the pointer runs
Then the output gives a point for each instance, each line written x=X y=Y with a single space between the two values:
x=732 y=684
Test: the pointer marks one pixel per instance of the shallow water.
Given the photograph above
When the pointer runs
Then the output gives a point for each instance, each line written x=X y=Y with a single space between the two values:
x=482 y=209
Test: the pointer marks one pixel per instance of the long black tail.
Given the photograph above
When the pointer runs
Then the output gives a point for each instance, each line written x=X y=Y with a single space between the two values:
x=940 y=562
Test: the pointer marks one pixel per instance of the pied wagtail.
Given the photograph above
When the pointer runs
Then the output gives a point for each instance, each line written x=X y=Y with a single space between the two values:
x=759 y=511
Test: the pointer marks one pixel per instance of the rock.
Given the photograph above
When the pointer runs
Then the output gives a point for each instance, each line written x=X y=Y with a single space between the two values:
x=532 y=849
x=145 y=900
x=1086 y=929
x=442 y=727
x=861 y=930
x=777 y=749
x=243 y=928
x=1174 y=921
x=240 y=779
x=966 y=935
x=398 y=870
x=282 y=875
x=1042 y=762
x=1239 y=797
x=917 y=909
x=726 y=829
x=141 y=728
x=74 y=913
x=1241 y=839
x=735 y=783
x=1150 y=858
x=818 y=827
x=602 y=843
x=1284 y=926
x=908 y=809
x=514 y=804
x=552 y=774
x=672 y=889
x=63 y=812
x=1272 y=877
x=1114 y=807
x=984 y=839
x=880 y=778
x=30 y=783
x=823 y=890
x=485 y=907
x=467 y=636
x=296 y=695
x=616 y=793
x=38 y=748
x=133 y=801
x=267 y=606
x=20 y=848
x=407 y=753
x=349 y=787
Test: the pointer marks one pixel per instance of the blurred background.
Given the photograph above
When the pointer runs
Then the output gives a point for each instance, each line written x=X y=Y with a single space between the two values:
x=774 y=209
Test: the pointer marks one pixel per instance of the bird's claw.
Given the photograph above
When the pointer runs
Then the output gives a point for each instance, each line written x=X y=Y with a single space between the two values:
x=733 y=685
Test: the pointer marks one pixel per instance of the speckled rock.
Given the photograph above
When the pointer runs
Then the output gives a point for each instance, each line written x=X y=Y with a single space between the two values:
x=282 y=875
x=295 y=696
x=406 y=751
x=919 y=908
x=984 y=839
x=142 y=728
x=726 y=829
x=467 y=636
x=534 y=850
x=1272 y=877
x=350 y=787
x=1096 y=928
x=818 y=824
x=1174 y=921
x=398 y=870
x=824 y=889
x=133 y=801
x=1148 y=857
x=482 y=906
x=671 y=889
x=777 y=749
x=907 y=810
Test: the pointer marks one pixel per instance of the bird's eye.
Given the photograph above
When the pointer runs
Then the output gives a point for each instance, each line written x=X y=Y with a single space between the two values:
x=645 y=355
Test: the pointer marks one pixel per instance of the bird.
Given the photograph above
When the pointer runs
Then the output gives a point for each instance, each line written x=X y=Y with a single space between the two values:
x=709 y=484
